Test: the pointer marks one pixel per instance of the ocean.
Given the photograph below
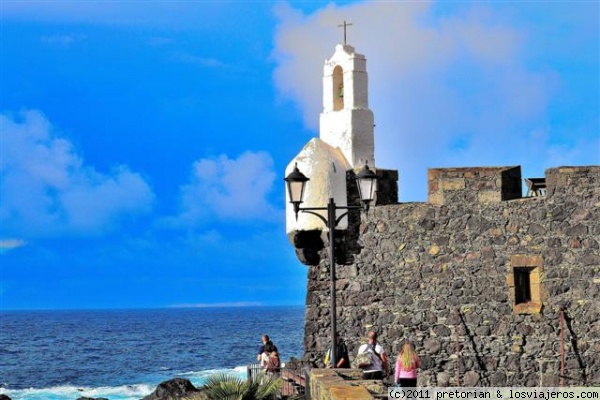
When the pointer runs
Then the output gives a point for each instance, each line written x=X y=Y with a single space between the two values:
x=125 y=354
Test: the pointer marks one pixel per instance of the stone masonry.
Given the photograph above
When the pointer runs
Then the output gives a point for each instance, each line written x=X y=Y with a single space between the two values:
x=441 y=274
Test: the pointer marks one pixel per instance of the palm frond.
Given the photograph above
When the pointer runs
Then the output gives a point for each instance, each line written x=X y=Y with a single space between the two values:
x=223 y=386
x=225 y=393
x=221 y=379
x=268 y=388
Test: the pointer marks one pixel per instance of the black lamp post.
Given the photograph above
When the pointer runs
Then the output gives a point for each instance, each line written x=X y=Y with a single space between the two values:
x=296 y=182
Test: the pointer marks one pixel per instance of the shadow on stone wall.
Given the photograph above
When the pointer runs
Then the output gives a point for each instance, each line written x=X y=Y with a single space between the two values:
x=311 y=248
x=308 y=245
x=480 y=363
x=578 y=357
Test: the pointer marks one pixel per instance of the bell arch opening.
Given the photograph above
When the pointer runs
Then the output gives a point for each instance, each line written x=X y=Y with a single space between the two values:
x=338 y=88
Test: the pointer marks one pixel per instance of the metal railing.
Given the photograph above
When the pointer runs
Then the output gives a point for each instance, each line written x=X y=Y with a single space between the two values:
x=294 y=378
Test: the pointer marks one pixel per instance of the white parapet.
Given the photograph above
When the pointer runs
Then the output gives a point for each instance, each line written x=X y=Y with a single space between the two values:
x=326 y=167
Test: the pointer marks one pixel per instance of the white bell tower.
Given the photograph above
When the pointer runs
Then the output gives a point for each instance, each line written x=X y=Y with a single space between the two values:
x=346 y=139
x=346 y=121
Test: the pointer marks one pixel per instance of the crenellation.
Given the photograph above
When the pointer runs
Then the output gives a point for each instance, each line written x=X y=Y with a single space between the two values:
x=470 y=185
x=564 y=183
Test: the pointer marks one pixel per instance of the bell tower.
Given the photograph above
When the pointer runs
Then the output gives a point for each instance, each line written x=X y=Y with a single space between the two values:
x=346 y=121
x=346 y=142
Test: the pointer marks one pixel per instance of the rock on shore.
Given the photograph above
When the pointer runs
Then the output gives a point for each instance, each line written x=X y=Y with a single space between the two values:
x=90 y=398
x=173 y=389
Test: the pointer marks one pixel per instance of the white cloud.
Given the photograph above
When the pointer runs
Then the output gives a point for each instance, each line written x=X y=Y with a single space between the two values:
x=47 y=190
x=227 y=189
x=11 y=244
x=447 y=88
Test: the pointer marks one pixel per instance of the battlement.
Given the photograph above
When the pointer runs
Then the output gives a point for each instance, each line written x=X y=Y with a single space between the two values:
x=578 y=182
x=485 y=185
x=473 y=185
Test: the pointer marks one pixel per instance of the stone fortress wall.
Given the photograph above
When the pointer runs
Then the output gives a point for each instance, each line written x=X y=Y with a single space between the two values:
x=442 y=274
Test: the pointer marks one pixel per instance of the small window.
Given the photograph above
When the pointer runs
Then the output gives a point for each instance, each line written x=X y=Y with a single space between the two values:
x=524 y=280
x=522 y=284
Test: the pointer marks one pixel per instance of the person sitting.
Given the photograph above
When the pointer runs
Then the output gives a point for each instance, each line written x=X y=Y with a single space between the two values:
x=266 y=341
x=266 y=354
x=273 y=364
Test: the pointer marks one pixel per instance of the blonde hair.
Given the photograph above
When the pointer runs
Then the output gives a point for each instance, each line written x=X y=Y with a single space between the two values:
x=408 y=357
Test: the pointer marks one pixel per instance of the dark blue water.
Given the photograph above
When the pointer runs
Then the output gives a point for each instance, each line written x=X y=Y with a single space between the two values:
x=124 y=354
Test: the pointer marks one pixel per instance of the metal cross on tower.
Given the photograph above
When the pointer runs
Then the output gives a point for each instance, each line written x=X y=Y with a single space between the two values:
x=344 y=25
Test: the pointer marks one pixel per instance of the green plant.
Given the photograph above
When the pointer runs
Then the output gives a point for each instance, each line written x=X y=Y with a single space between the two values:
x=227 y=387
x=196 y=396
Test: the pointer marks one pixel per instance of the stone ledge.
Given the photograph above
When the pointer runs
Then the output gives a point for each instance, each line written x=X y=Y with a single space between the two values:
x=342 y=384
x=532 y=307
x=350 y=392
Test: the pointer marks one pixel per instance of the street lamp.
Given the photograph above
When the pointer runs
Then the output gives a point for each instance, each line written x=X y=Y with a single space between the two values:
x=296 y=182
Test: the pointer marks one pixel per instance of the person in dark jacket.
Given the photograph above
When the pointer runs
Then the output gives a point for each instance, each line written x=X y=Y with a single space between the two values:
x=341 y=354
x=266 y=342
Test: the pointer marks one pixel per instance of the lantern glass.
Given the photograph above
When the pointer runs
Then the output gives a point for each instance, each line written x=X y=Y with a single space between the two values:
x=296 y=181
x=365 y=188
x=296 y=191
x=366 y=185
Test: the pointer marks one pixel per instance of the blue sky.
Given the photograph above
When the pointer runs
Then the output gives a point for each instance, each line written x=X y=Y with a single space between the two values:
x=143 y=144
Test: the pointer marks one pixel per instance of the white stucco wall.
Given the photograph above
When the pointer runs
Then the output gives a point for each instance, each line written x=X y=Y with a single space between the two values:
x=350 y=129
x=352 y=132
x=326 y=167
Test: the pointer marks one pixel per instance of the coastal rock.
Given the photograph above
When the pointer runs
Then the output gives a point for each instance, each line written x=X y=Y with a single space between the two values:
x=4 y=397
x=293 y=363
x=85 y=398
x=172 y=389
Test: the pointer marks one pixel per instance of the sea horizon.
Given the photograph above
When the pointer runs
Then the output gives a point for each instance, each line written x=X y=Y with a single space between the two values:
x=123 y=354
x=168 y=307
